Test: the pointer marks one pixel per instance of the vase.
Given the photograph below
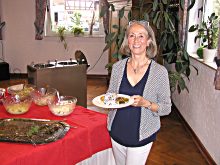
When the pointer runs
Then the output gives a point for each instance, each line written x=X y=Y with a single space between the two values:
x=209 y=55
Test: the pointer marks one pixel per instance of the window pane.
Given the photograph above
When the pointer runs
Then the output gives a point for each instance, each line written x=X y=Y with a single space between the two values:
x=216 y=4
x=74 y=13
x=196 y=16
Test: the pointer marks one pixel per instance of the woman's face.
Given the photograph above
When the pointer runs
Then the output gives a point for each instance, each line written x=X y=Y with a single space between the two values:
x=138 y=39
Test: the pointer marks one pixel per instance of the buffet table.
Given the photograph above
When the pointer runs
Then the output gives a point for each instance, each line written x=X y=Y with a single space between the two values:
x=87 y=136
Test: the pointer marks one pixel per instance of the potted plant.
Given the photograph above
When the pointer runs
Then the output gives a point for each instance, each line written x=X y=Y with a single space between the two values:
x=77 y=31
x=163 y=16
x=77 y=28
x=208 y=33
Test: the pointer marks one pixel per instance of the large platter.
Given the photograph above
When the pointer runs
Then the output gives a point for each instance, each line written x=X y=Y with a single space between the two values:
x=97 y=101
x=35 y=131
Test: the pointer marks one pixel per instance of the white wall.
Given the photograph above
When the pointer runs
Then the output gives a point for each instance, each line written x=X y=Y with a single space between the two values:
x=201 y=107
x=21 y=48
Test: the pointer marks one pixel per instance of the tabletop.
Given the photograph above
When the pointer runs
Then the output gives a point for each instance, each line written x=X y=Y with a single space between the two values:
x=88 y=135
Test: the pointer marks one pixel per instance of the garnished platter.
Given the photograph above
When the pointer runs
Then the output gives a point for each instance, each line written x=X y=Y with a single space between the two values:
x=35 y=131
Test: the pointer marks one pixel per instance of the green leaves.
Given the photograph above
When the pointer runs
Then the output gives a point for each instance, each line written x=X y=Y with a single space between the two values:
x=112 y=7
x=33 y=130
x=177 y=82
x=102 y=12
x=170 y=41
x=164 y=2
x=191 y=5
x=207 y=31
x=193 y=28
x=164 y=20
x=61 y=33
x=121 y=12
x=155 y=4
x=114 y=39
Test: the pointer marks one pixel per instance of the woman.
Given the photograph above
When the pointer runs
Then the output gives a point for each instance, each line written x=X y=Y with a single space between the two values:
x=134 y=128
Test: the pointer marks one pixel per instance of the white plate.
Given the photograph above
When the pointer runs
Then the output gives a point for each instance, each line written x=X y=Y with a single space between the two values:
x=97 y=101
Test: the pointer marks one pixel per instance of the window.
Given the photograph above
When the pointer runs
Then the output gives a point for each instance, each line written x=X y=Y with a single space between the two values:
x=73 y=14
x=196 y=15
x=210 y=7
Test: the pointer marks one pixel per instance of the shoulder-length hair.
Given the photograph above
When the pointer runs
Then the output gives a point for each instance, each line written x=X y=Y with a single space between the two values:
x=151 y=49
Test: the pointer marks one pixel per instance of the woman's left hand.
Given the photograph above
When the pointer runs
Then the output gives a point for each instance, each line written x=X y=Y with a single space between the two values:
x=139 y=101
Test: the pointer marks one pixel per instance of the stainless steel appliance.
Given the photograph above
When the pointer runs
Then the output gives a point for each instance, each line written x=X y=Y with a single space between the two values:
x=68 y=77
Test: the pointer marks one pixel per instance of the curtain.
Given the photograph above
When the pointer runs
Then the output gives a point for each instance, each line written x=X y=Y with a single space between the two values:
x=40 y=8
x=105 y=5
x=2 y=24
x=183 y=23
x=217 y=60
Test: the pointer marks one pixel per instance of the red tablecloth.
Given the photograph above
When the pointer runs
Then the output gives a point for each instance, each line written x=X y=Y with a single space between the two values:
x=79 y=143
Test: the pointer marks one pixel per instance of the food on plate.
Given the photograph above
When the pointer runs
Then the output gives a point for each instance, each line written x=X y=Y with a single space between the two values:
x=113 y=99
x=121 y=100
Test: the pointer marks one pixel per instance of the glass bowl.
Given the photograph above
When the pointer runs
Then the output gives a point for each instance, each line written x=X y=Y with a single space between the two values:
x=2 y=94
x=22 y=90
x=42 y=95
x=15 y=105
x=63 y=106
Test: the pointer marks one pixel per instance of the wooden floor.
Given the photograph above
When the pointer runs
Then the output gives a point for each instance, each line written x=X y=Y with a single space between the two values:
x=173 y=146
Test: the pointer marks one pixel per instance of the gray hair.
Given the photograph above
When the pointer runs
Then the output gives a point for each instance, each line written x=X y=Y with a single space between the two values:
x=151 y=49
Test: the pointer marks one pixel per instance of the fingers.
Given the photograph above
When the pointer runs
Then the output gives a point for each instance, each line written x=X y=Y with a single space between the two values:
x=136 y=100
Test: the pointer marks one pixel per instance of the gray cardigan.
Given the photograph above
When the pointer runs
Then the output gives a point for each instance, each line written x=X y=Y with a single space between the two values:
x=156 y=90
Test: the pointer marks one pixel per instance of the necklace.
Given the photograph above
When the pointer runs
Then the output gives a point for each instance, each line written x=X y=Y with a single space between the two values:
x=136 y=70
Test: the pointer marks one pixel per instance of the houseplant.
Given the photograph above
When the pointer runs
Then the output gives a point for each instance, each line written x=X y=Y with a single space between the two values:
x=116 y=32
x=77 y=28
x=208 y=33
x=163 y=16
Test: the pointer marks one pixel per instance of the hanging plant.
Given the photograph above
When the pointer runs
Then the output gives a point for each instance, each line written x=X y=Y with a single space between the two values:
x=61 y=33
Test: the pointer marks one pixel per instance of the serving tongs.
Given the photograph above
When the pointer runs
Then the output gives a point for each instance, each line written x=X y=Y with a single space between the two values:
x=58 y=96
x=43 y=91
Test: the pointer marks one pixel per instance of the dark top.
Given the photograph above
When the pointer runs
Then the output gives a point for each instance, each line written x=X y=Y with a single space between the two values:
x=125 y=127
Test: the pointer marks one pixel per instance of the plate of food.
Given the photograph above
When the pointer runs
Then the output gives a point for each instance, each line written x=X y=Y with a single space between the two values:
x=113 y=101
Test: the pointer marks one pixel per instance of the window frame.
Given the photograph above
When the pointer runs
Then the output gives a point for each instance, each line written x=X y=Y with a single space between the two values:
x=193 y=13
x=48 y=32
